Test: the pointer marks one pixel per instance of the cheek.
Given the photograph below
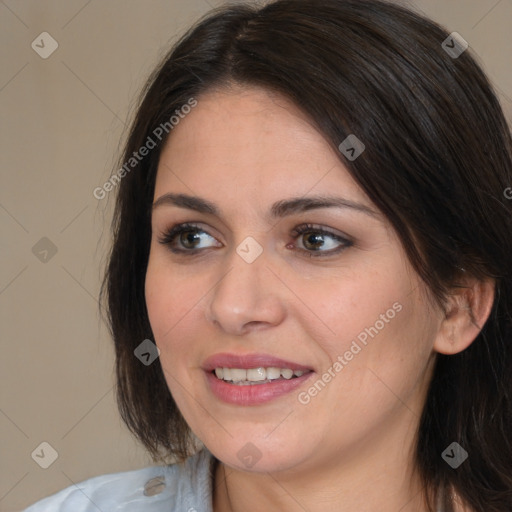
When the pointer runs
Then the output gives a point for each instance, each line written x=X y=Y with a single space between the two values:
x=173 y=305
x=355 y=307
x=172 y=300
x=374 y=321
x=387 y=352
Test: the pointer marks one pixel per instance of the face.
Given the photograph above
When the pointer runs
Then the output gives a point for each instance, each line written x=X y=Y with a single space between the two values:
x=271 y=267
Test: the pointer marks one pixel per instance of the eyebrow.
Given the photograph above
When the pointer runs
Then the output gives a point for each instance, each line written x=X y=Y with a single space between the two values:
x=279 y=209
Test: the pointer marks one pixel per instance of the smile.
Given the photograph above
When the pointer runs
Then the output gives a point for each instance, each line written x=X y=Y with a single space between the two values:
x=252 y=379
x=255 y=376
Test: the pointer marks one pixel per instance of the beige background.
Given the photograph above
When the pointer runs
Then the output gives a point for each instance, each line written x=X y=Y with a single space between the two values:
x=62 y=119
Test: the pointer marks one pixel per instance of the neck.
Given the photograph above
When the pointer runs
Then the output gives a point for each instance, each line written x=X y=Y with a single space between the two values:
x=372 y=477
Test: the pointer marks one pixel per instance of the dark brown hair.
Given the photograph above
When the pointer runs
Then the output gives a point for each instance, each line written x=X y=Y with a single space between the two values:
x=437 y=163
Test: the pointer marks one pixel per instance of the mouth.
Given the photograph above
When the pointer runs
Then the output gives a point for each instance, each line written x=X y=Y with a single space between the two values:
x=256 y=376
x=252 y=379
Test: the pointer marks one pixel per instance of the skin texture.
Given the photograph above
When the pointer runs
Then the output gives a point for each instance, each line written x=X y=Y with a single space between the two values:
x=351 y=446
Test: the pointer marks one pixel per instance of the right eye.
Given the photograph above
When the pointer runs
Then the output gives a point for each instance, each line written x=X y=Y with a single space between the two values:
x=184 y=238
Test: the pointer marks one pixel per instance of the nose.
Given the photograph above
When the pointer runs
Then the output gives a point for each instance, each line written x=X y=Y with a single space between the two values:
x=248 y=297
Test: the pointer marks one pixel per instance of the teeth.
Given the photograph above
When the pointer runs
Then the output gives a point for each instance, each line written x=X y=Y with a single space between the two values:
x=256 y=374
x=273 y=373
x=238 y=375
x=246 y=376
x=287 y=373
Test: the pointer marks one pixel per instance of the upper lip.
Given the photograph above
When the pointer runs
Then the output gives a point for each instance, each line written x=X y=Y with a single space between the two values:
x=226 y=360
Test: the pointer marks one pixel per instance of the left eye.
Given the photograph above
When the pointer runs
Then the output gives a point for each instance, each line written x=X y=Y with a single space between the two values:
x=319 y=240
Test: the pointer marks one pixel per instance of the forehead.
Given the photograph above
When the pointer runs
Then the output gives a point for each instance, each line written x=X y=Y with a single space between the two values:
x=250 y=139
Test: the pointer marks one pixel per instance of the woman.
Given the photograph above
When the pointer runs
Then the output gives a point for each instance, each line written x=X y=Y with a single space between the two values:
x=311 y=273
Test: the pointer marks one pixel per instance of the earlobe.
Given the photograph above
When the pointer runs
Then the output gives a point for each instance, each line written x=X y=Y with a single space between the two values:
x=467 y=310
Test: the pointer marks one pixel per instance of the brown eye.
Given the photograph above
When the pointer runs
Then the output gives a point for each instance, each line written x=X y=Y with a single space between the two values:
x=313 y=241
x=189 y=239
x=186 y=238
x=317 y=241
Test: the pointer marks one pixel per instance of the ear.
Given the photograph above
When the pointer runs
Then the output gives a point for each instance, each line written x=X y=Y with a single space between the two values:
x=468 y=308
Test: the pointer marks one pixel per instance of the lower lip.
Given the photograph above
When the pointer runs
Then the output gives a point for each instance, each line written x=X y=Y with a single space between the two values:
x=254 y=394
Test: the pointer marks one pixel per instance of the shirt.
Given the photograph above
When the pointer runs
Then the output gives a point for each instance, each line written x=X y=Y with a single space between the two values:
x=185 y=487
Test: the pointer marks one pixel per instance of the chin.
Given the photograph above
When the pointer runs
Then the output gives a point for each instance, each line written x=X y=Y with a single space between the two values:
x=257 y=454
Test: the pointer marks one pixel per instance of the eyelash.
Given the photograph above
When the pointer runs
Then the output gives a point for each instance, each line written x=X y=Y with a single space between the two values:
x=170 y=236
